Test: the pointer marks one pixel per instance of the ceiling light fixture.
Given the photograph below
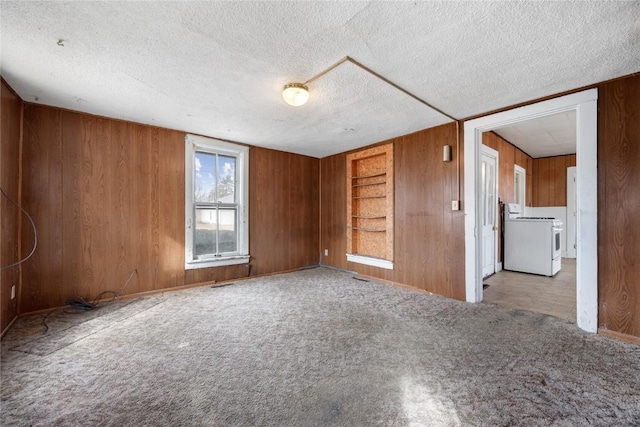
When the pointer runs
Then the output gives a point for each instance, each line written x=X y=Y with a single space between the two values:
x=295 y=94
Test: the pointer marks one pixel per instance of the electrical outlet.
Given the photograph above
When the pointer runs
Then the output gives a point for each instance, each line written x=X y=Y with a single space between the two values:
x=326 y=252
x=455 y=205
x=13 y=291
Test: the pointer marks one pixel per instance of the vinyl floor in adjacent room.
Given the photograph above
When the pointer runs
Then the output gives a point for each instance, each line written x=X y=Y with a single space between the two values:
x=555 y=296
x=313 y=348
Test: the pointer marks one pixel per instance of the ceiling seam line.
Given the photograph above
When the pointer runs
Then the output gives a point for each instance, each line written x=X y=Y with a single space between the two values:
x=406 y=92
x=384 y=79
x=325 y=71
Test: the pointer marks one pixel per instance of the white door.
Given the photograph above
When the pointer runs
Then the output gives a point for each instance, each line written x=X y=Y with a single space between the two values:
x=570 y=233
x=489 y=178
x=520 y=186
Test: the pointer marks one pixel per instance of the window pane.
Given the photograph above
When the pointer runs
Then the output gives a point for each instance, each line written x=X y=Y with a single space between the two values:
x=210 y=220
x=491 y=185
x=228 y=231
x=205 y=174
x=485 y=204
x=205 y=238
x=226 y=179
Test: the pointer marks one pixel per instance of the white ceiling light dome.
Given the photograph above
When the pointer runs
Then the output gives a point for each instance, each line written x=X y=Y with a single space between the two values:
x=295 y=94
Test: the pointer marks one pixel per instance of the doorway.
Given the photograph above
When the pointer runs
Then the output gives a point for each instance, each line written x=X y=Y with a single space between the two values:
x=585 y=105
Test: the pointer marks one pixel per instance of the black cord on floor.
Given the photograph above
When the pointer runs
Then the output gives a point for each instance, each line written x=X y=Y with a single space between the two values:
x=80 y=305
x=44 y=321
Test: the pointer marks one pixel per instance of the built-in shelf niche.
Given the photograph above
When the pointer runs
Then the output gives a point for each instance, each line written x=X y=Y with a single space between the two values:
x=370 y=206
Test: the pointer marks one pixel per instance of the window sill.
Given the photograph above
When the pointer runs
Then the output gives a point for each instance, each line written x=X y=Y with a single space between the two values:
x=375 y=262
x=217 y=262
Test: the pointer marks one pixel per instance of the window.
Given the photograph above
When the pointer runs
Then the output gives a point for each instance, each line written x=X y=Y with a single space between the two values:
x=216 y=203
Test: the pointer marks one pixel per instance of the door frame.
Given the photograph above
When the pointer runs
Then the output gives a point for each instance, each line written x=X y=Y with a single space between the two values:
x=493 y=153
x=571 y=219
x=585 y=105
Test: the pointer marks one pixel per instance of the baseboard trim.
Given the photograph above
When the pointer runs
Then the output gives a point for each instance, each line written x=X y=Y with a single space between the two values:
x=4 y=332
x=212 y=283
x=404 y=286
x=619 y=335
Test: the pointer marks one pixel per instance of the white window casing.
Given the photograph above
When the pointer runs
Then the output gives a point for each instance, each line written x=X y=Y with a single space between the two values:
x=193 y=144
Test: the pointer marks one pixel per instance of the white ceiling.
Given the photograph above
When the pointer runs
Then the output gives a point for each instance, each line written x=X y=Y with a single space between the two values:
x=217 y=68
x=547 y=136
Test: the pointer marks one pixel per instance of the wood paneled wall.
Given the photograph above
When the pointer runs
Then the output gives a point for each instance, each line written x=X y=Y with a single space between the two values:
x=429 y=237
x=550 y=180
x=10 y=215
x=284 y=207
x=108 y=198
x=283 y=217
x=546 y=176
x=509 y=156
x=619 y=206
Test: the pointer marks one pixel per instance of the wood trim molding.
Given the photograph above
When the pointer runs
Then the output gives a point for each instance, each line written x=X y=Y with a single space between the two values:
x=212 y=283
x=548 y=97
x=619 y=335
x=393 y=283
x=11 y=89
x=4 y=332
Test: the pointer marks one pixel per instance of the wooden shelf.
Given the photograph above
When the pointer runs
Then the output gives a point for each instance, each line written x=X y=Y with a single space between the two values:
x=370 y=204
x=368 y=185
x=370 y=230
x=369 y=176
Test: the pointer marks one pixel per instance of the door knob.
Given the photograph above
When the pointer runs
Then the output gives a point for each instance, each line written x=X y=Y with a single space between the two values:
x=495 y=228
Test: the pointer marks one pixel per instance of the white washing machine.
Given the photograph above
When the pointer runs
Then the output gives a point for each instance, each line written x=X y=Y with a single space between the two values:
x=531 y=244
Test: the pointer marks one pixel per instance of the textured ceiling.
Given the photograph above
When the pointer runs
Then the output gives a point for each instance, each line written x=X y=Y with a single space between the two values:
x=217 y=68
x=553 y=135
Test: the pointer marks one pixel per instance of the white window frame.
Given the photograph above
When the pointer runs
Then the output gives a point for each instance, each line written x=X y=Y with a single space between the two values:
x=195 y=143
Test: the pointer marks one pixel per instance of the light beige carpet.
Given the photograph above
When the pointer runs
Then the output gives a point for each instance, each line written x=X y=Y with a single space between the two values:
x=313 y=348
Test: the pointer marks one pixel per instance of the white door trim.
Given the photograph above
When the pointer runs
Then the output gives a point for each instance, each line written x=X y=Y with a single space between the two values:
x=570 y=226
x=585 y=105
